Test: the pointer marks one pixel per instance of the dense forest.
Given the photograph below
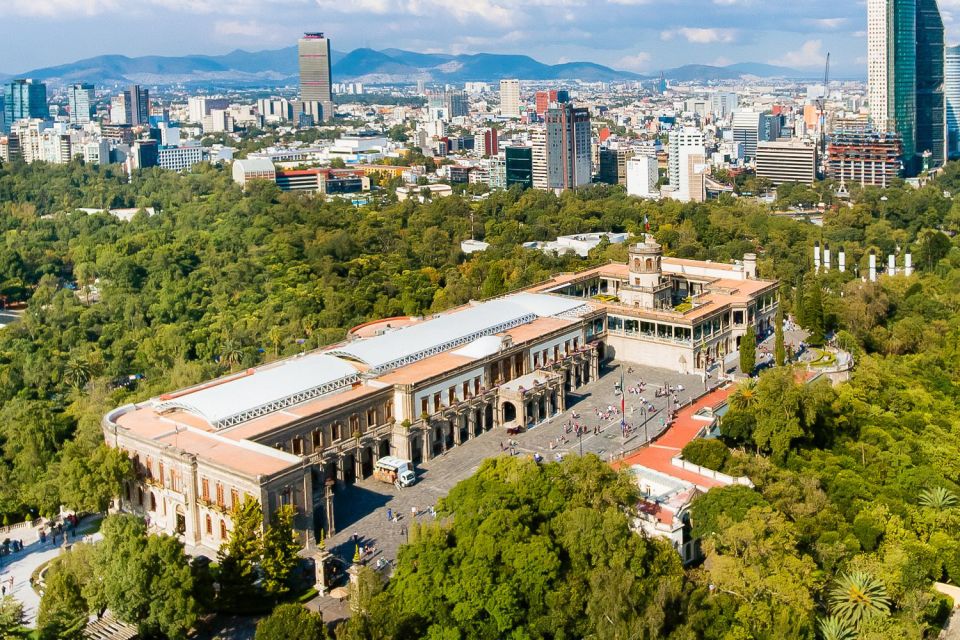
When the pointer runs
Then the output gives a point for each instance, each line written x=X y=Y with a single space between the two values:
x=858 y=482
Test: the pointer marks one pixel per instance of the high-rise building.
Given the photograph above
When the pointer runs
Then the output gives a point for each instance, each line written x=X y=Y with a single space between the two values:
x=315 y=73
x=488 y=144
x=137 y=106
x=510 y=98
x=568 y=147
x=544 y=99
x=538 y=158
x=787 y=161
x=951 y=90
x=931 y=103
x=81 y=99
x=24 y=99
x=613 y=166
x=519 y=166
x=905 y=76
x=723 y=103
x=200 y=106
x=746 y=131
x=457 y=103
x=862 y=155
x=642 y=176
x=751 y=127
x=682 y=145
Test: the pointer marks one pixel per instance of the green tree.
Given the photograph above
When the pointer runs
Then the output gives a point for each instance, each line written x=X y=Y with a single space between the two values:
x=89 y=480
x=514 y=561
x=173 y=610
x=239 y=558
x=63 y=608
x=939 y=498
x=933 y=247
x=813 y=314
x=748 y=351
x=291 y=622
x=11 y=617
x=708 y=453
x=281 y=549
x=833 y=628
x=731 y=503
x=78 y=372
x=779 y=350
x=858 y=596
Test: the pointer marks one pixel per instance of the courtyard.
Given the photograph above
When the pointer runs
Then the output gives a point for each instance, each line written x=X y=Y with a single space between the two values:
x=361 y=509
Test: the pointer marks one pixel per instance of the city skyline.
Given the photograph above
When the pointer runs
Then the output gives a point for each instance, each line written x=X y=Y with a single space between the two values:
x=631 y=35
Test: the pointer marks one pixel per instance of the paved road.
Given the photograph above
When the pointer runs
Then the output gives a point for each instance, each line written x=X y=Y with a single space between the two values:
x=20 y=566
x=361 y=509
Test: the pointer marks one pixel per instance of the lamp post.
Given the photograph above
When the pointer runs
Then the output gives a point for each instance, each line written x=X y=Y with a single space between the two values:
x=580 y=438
x=646 y=435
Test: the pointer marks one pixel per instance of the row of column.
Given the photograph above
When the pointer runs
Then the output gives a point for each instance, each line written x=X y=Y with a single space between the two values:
x=473 y=418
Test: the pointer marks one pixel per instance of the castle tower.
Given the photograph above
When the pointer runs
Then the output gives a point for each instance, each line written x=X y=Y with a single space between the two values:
x=646 y=287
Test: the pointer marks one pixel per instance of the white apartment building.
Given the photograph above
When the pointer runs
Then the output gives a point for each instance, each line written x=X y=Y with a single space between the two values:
x=219 y=121
x=510 y=98
x=179 y=158
x=642 y=177
x=787 y=161
x=877 y=61
x=682 y=144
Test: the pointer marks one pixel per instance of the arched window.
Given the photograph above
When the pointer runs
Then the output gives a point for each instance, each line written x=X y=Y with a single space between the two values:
x=223 y=529
x=209 y=524
x=140 y=496
x=649 y=264
x=636 y=263
x=153 y=502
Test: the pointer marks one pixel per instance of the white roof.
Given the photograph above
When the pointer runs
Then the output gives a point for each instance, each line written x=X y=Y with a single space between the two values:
x=266 y=389
x=449 y=331
x=255 y=164
x=481 y=347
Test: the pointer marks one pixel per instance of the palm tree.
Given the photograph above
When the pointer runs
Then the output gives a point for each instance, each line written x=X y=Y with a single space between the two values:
x=77 y=372
x=833 y=628
x=745 y=397
x=857 y=596
x=232 y=355
x=940 y=498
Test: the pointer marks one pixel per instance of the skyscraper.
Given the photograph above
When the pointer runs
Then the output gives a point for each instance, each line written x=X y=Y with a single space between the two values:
x=931 y=104
x=905 y=75
x=315 y=73
x=137 y=105
x=568 y=147
x=24 y=99
x=685 y=146
x=457 y=103
x=746 y=130
x=951 y=90
x=510 y=98
x=82 y=101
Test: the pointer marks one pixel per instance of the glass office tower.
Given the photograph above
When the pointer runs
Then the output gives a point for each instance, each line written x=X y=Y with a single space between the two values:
x=931 y=104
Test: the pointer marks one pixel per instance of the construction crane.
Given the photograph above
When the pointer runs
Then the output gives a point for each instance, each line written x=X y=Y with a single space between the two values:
x=822 y=104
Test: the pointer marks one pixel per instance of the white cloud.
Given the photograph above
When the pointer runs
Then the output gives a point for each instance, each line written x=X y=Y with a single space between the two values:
x=810 y=54
x=637 y=62
x=698 y=35
x=54 y=8
x=829 y=23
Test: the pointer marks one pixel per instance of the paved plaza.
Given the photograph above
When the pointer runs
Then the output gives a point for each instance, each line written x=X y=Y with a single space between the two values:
x=361 y=509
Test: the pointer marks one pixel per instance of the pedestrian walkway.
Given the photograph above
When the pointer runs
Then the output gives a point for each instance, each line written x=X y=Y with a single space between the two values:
x=361 y=508
x=19 y=567
x=682 y=431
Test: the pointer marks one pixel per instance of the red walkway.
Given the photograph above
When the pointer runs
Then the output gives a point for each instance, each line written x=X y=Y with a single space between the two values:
x=685 y=428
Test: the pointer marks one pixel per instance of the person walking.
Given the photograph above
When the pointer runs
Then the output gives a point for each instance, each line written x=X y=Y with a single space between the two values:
x=389 y=514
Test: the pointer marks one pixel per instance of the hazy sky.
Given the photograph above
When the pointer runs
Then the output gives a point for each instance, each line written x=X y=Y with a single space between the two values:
x=639 y=35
